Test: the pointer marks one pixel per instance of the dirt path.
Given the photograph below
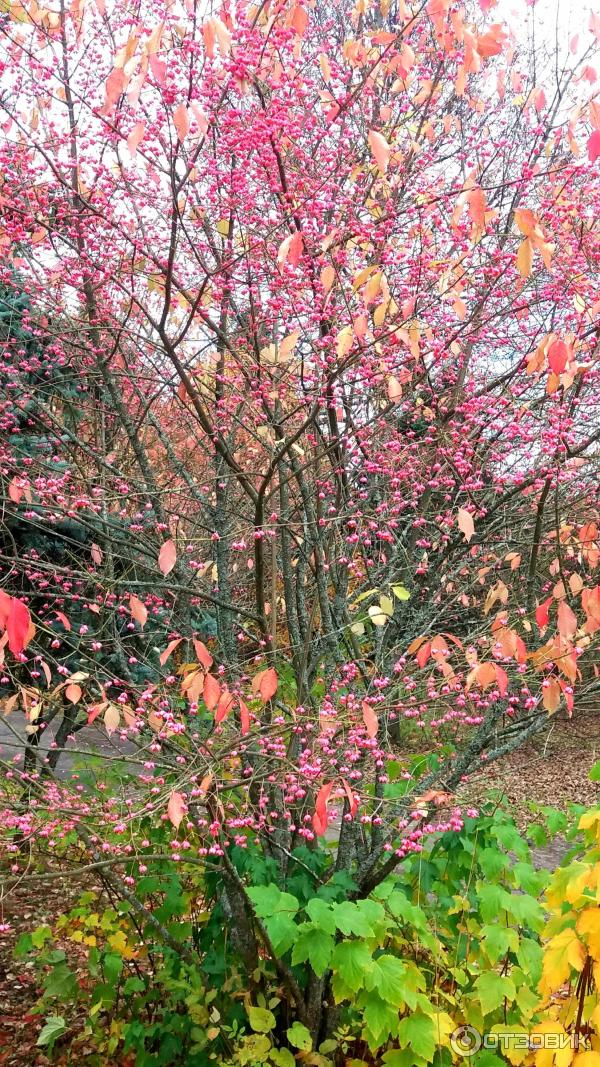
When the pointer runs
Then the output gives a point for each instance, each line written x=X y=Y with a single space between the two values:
x=552 y=769
x=89 y=743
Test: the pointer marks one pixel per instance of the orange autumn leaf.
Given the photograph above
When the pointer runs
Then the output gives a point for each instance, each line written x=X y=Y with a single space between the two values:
x=525 y=258
x=265 y=684
x=211 y=692
x=380 y=150
x=566 y=620
x=138 y=610
x=181 y=121
x=465 y=523
x=370 y=719
x=176 y=808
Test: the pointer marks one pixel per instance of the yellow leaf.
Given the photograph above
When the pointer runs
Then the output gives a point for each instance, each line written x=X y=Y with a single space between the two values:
x=587 y=1059
x=588 y=925
x=372 y=288
x=591 y=818
x=562 y=954
x=119 y=943
x=222 y=227
x=362 y=276
x=513 y=1041
x=576 y=886
x=579 y=304
x=525 y=258
x=344 y=341
x=377 y=616
x=552 y=1056
x=380 y=313
x=595 y=1018
x=387 y=605
x=444 y=1026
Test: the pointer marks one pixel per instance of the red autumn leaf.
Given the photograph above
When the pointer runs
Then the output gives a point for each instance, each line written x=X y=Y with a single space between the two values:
x=73 y=693
x=525 y=220
x=162 y=659
x=211 y=692
x=594 y=146
x=224 y=706
x=370 y=719
x=167 y=557
x=96 y=553
x=558 y=356
x=202 y=654
x=295 y=249
x=18 y=626
x=423 y=654
x=590 y=603
x=138 y=610
x=521 y=651
x=525 y=257
x=60 y=615
x=244 y=717
x=502 y=679
x=352 y=801
x=94 y=711
x=209 y=35
x=176 y=808
x=320 y=818
x=492 y=42
x=542 y=613
x=5 y=603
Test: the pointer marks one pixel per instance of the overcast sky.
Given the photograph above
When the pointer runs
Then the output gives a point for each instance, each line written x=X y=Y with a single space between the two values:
x=571 y=16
